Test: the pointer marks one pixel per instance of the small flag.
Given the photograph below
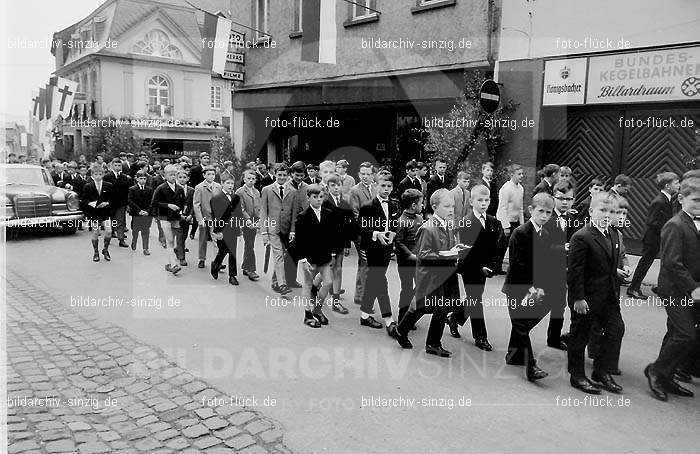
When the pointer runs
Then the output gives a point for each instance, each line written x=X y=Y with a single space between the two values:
x=215 y=42
x=35 y=104
x=318 y=42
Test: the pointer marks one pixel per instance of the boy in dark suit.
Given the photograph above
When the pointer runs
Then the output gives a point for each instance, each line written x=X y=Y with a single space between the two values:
x=120 y=198
x=344 y=233
x=560 y=228
x=186 y=215
x=97 y=195
x=437 y=252
x=406 y=236
x=594 y=297
x=595 y=186
x=679 y=288
x=411 y=181
x=479 y=231
x=315 y=246
x=551 y=176
x=168 y=203
x=227 y=219
x=250 y=205
x=378 y=220
x=528 y=253
x=660 y=211
x=139 y=200
x=437 y=181
x=79 y=182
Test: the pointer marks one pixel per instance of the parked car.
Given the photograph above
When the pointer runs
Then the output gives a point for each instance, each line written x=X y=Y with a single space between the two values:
x=33 y=200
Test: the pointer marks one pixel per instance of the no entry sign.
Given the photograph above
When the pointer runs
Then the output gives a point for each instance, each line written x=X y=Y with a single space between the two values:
x=489 y=96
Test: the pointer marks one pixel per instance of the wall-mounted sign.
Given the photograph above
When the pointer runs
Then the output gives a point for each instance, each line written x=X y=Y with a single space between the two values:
x=564 y=82
x=235 y=57
x=236 y=38
x=659 y=75
x=233 y=75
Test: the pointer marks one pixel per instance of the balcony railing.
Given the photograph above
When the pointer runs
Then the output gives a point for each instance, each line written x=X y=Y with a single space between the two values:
x=159 y=110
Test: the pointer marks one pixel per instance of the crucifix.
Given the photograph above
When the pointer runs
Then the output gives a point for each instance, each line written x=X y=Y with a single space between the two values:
x=36 y=103
x=65 y=92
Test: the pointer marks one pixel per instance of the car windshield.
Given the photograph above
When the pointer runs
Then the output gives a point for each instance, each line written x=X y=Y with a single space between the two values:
x=27 y=175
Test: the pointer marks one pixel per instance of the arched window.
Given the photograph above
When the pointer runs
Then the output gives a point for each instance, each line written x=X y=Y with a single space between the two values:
x=159 y=95
x=157 y=44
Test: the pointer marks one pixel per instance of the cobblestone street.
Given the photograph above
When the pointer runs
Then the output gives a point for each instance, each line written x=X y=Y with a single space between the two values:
x=76 y=384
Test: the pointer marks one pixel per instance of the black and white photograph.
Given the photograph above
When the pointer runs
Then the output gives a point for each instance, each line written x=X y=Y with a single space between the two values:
x=350 y=226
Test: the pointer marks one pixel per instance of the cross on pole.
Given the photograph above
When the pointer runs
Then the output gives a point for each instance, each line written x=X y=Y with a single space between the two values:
x=36 y=103
x=65 y=92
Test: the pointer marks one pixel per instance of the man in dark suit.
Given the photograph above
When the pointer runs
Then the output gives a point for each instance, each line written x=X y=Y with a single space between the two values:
x=659 y=212
x=59 y=175
x=594 y=297
x=97 y=196
x=315 y=247
x=560 y=229
x=480 y=231
x=378 y=223
x=679 y=288
x=196 y=173
x=263 y=177
x=121 y=184
x=139 y=201
x=551 y=175
x=437 y=181
x=227 y=220
x=411 y=181
x=528 y=253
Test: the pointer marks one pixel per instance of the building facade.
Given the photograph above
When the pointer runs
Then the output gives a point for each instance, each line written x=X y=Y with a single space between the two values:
x=404 y=61
x=142 y=60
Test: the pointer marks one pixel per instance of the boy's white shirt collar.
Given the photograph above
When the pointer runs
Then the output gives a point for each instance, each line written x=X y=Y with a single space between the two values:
x=668 y=196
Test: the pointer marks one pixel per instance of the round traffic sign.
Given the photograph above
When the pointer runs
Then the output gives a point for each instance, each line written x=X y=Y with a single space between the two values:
x=489 y=96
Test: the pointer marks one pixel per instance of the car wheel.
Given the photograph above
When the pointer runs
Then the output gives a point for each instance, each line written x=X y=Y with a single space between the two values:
x=69 y=228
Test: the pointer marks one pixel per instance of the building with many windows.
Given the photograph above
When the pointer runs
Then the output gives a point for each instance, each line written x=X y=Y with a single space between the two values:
x=397 y=63
x=141 y=60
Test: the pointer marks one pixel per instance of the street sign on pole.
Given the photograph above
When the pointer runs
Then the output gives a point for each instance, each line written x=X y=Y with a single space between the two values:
x=489 y=96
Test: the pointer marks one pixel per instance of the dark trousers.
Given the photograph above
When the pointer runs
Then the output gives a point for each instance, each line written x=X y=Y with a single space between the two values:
x=248 y=249
x=195 y=227
x=522 y=320
x=680 y=338
x=474 y=282
x=503 y=245
x=649 y=252
x=437 y=324
x=610 y=343
x=407 y=273
x=180 y=240
x=376 y=286
x=161 y=233
x=142 y=225
x=290 y=259
x=118 y=218
x=555 y=299
x=223 y=246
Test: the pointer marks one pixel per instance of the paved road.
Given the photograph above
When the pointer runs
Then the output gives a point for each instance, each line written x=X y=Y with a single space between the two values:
x=325 y=386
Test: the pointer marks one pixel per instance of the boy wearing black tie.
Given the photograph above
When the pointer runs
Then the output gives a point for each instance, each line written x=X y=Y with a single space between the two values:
x=316 y=227
x=528 y=254
x=378 y=222
x=479 y=231
x=679 y=288
x=140 y=196
x=437 y=251
x=97 y=195
x=594 y=297
x=227 y=220
x=406 y=236
x=168 y=202
x=344 y=233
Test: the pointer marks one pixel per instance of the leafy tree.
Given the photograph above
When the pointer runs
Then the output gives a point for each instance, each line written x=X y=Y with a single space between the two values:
x=113 y=139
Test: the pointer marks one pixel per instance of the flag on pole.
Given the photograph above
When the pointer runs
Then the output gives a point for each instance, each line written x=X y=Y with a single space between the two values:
x=215 y=41
x=42 y=103
x=65 y=93
x=35 y=104
x=318 y=42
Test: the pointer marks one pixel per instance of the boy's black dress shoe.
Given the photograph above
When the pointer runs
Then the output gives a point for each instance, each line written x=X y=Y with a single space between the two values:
x=392 y=331
x=615 y=372
x=232 y=280
x=283 y=289
x=253 y=276
x=636 y=293
x=371 y=322
x=214 y=270
x=559 y=345
x=483 y=344
x=674 y=387
x=682 y=376
x=607 y=382
x=454 y=327
x=403 y=341
x=105 y=252
x=133 y=245
x=200 y=264
x=183 y=263
x=321 y=317
x=339 y=308
x=146 y=252
x=438 y=351
x=123 y=244
x=584 y=385
x=96 y=257
x=535 y=373
x=655 y=384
